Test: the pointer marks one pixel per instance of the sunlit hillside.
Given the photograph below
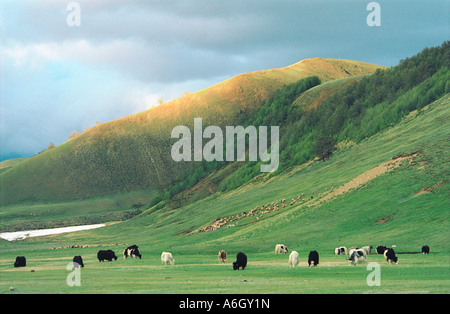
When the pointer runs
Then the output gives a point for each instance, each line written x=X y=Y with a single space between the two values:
x=132 y=154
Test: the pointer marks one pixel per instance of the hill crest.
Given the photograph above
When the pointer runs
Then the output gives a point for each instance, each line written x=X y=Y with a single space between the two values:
x=248 y=90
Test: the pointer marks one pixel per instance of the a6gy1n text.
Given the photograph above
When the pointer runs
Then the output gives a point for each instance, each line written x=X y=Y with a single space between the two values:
x=225 y=304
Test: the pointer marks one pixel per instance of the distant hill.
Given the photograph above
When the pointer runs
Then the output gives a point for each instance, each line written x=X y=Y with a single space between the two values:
x=133 y=153
x=6 y=164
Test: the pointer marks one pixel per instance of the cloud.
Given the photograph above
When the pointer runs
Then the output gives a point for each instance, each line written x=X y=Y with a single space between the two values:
x=175 y=40
x=48 y=90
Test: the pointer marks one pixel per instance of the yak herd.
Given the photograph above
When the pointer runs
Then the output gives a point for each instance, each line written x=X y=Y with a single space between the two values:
x=355 y=256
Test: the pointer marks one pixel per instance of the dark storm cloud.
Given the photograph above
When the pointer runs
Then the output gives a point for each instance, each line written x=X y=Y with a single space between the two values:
x=178 y=40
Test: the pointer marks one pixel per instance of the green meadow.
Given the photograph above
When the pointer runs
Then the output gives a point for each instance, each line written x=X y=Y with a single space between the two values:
x=203 y=274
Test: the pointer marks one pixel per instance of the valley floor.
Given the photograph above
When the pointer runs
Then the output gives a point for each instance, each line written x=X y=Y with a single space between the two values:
x=266 y=273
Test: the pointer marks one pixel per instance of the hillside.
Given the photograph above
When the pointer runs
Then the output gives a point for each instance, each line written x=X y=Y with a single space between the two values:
x=132 y=155
x=391 y=188
x=6 y=164
x=117 y=170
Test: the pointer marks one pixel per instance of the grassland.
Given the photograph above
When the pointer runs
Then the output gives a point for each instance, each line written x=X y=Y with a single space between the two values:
x=202 y=274
x=406 y=207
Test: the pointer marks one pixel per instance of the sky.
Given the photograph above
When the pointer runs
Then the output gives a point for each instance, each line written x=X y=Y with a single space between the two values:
x=126 y=55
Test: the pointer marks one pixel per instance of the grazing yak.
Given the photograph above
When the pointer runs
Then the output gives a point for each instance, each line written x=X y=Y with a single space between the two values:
x=313 y=259
x=222 y=256
x=425 y=249
x=293 y=259
x=132 y=251
x=241 y=261
x=380 y=249
x=21 y=261
x=166 y=257
x=281 y=249
x=77 y=261
x=342 y=250
x=108 y=255
x=389 y=254
x=357 y=256
x=368 y=249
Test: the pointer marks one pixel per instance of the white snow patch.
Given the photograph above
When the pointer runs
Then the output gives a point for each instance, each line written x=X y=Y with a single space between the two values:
x=20 y=235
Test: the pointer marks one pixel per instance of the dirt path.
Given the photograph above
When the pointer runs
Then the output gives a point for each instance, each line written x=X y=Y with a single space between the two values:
x=366 y=177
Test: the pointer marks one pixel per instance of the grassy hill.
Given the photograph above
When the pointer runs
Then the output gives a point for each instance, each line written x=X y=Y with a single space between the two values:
x=128 y=160
x=404 y=205
x=7 y=164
